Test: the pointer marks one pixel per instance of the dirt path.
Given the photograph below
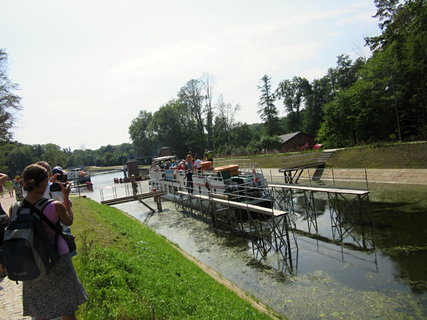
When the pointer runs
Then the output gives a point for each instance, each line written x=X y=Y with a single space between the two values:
x=10 y=292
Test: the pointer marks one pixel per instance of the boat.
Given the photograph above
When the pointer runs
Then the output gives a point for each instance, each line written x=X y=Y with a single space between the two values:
x=78 y=176
x=231 y=182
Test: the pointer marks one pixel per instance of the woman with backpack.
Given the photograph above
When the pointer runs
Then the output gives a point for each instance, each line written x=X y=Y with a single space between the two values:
x=4 y=219
x=59 y=293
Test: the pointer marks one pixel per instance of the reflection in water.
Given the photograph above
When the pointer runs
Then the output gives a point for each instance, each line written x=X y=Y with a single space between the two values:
x=403 y=239
x=332 y=279
x=349 y=222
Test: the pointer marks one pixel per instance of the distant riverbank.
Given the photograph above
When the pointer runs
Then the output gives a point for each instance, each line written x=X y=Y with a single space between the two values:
x=379 y=156
x=404 y=163
x=95 y=169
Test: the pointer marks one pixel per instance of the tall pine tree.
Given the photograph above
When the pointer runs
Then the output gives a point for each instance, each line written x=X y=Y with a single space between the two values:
x=267 y=109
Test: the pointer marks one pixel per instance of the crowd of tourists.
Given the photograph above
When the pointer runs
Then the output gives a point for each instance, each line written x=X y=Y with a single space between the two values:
x=54 y=291
x=191 y=162
x=11 y=187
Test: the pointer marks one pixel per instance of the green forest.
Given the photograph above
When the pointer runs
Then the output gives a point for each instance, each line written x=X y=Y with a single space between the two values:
x=382 y=98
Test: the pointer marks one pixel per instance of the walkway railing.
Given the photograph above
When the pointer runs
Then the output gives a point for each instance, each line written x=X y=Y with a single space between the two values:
x=341 y=178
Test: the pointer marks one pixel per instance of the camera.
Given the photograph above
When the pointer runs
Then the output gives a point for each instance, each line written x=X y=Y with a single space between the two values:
x=55 y=187
x=61 y=178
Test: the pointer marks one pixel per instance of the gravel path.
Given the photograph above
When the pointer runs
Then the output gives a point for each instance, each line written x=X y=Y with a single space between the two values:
x=10 y=292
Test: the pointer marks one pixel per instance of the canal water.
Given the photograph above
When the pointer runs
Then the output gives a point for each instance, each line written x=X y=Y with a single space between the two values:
x=379 y=271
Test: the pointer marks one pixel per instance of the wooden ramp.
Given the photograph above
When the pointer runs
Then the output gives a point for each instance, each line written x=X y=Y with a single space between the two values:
x=293 y=174
x=219 y=199
x=319 y=172
x=139 y=197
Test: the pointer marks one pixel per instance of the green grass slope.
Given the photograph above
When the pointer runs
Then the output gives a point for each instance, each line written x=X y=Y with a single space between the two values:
x=396 y=156
x=381 y=156
x=272 y=160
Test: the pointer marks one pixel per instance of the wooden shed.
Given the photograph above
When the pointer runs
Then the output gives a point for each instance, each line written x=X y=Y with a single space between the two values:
x=296 y=141
x=165 y=151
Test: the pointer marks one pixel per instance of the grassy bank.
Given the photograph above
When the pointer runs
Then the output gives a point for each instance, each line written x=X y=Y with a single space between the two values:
x=130 y=272
x=101 y=169
x=394 y=156
x=271 y=160
x=380 y=156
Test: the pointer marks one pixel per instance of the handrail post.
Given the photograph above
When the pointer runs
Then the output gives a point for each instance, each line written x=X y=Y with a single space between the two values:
x=366 y=179
x=333 y=176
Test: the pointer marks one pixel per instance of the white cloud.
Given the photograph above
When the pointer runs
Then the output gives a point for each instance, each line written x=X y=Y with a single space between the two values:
x=312 y=74
x=365 y=17
x=334 y=34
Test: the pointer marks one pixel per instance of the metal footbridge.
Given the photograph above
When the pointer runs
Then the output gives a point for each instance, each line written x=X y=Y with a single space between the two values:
x=269 y=219
x=340 y=202
x=268 y=228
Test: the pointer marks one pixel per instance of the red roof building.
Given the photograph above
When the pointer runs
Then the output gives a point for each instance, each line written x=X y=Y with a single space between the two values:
x=296 y=141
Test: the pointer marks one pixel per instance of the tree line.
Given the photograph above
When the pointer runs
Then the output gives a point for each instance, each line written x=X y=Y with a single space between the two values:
x=14 y=157
x=382 y=98
x=193 y=122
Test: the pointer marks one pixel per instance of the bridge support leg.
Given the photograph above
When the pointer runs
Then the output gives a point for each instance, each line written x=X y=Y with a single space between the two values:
x=335 y=216
x=343 y=225
x=151 y=209
x=285 y=243
x=311 y=211
x=260 y=245
x=159 y=203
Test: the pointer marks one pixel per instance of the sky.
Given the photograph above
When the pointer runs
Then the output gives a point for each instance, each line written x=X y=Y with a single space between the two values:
x=86 y=68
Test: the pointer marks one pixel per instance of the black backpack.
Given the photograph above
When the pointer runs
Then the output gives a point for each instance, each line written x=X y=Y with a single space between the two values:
x=26 y=253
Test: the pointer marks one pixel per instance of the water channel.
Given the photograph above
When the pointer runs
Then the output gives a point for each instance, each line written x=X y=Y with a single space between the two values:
x=329 y=280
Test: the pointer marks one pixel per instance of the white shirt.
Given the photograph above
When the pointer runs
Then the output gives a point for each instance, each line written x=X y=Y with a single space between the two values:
x=198 y=163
